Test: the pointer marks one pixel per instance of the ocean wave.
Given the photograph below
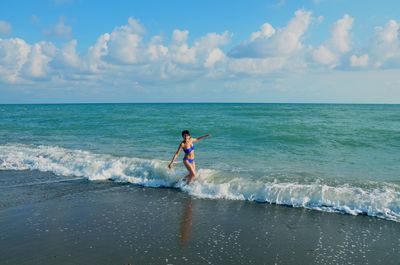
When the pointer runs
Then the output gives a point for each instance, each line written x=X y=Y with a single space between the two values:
x=382 y=200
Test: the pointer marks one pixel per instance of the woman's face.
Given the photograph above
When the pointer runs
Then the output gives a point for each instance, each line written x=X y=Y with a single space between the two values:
x=186 y=136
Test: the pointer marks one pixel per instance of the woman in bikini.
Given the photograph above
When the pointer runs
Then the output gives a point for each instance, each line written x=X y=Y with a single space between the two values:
x=188 y=148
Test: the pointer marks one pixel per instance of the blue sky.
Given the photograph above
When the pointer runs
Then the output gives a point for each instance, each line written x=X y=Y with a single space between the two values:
x=184 y=51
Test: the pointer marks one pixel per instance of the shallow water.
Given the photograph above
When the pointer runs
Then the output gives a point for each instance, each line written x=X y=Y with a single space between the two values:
x=327 y=157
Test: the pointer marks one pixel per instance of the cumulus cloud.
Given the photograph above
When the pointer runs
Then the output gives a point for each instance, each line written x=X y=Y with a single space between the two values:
x=179 y=50
x=289 y=39
x=266 y=31
x=269 y=42
x=271 y=50
x=383 y=50
x=121 y=52
x=180 y=36
x=20 y=61
x=359 y=61
x=330 y=52
x=324 y=55
x=5 y=27
x=37 y=64
x=204 y=50
x=125 y=41
x=341 y=34
x=125 y=55
x=156 y=50
x=13 y=55
x=68 y=55
x=98 y=51
x=213 y=57
x=60 y=29
x=385 y=45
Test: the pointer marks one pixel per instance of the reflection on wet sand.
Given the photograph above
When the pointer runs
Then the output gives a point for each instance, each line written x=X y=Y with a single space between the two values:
x=186 y=222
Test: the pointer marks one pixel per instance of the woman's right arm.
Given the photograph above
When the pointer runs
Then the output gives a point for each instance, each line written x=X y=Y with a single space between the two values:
x=175 y=155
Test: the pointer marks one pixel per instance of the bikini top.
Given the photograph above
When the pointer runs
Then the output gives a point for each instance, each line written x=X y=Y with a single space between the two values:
x=188 y=150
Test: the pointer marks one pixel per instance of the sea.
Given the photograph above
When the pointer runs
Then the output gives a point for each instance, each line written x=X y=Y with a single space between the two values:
x=339 y=158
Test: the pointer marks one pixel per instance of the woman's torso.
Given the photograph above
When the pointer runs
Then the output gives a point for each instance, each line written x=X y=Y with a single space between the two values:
x=188 y=145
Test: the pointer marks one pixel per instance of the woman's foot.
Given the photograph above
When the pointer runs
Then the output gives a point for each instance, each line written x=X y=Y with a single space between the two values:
x=189 y=180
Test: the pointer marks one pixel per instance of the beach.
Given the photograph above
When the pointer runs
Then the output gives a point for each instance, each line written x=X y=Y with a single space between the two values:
x=275 y=184
x=82 y=222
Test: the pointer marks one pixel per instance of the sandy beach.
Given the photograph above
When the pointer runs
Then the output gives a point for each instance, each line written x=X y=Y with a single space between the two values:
x=83 y=222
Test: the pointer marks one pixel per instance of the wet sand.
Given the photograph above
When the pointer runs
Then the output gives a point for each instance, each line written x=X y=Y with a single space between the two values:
x=45 y=221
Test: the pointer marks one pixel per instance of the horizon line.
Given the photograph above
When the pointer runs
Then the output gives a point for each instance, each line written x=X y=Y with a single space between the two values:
x=201 y=102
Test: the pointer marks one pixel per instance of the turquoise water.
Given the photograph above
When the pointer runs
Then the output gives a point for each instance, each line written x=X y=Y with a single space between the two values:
x=327 y=157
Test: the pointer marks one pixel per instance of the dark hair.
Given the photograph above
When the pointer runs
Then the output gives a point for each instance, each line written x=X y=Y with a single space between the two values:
x=185 y=132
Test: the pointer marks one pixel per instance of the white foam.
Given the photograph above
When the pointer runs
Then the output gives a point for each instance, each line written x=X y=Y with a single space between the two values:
x=382 y=201
x=80 y=163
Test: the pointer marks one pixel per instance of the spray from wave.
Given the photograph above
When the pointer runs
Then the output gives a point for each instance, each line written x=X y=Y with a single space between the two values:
x=382 y=201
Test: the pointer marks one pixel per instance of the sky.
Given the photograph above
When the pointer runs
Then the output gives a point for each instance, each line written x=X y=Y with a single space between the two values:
x=305 y=51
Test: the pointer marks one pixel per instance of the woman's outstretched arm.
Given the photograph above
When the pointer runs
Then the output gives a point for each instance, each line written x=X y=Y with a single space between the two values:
x=201 y=137
x=175 y=156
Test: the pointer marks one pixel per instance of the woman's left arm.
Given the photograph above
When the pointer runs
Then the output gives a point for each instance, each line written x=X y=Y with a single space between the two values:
x=201 y=137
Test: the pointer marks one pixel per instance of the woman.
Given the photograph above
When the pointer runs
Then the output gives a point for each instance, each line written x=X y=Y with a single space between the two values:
x=188 y=160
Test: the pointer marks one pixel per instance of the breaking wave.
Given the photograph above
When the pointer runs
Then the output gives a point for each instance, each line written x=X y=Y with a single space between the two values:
x=382 y=201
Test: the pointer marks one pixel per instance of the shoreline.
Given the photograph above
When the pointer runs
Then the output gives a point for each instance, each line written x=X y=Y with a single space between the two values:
x=81 y=222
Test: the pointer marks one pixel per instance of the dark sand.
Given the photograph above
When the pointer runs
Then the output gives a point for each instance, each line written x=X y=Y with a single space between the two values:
x=43 y=221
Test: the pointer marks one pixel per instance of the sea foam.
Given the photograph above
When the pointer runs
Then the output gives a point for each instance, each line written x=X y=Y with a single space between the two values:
x=382 y=201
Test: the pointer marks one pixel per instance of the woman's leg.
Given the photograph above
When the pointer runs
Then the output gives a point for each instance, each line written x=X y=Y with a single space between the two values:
x=191 y=174
x=194 y=166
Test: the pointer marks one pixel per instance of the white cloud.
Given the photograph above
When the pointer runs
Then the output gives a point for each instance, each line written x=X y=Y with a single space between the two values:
x=97 y=52
x=389 y=33
x=252 y=66
x=69 y=56
x=213 y=57
x=134 y=26
x=341 y=34
x=5 y=27
x=123 y=47
x=13 y=55
x=324 y=55
x=182 y=54
x=124 y=44
x=39 y=57
x=385 y=45
x=212 y=40
x=289 y=39
x=330 y=52
x=274 y=43
x=179 y=50
x=60 y=29
x=266 y=31
x=180 y=36
x=272 y=50
x=126 y=57
x=156 y=50
x=359 y=61
x=200 y=52
x=20 y=61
